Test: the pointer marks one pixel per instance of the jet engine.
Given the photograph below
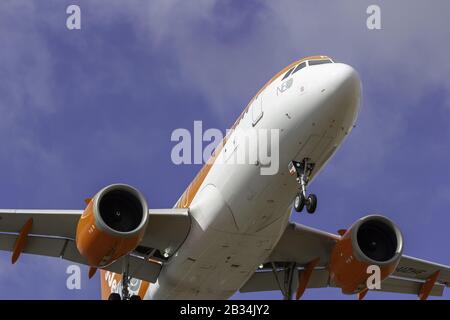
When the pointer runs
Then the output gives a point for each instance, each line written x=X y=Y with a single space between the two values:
x=112 y=225
x=371 y=241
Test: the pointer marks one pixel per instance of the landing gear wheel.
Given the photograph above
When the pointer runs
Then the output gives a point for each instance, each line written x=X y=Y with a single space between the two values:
x=135 y=297
x=114 y=296
x=303 y=171
x=299 y=202
x=311 y=203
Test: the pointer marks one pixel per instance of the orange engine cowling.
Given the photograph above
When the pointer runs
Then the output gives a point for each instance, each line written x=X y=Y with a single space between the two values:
x=112 y=224
x=372 y=240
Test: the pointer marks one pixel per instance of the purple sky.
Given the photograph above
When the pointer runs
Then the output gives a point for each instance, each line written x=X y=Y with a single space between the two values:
x=82 y=109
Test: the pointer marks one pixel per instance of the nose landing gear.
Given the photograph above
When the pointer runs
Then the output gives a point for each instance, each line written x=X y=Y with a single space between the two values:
x=303 y=171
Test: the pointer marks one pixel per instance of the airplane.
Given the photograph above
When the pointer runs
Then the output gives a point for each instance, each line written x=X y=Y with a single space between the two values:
x=230 y=230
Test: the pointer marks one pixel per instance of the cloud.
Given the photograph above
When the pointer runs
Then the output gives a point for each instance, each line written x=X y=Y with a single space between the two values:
x=26 y=73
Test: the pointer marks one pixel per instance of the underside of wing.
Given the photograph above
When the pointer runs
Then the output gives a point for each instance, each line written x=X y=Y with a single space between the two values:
x=265 y=280
x=309 y=258
x=418 y=269
x=52 y=233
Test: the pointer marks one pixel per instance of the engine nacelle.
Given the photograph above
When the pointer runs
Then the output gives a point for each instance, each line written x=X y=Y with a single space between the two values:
x=112 y=224
x=372 y=240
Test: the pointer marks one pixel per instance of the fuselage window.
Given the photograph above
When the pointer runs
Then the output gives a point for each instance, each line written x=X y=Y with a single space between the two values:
x=287 y=74
x=317 y=62
x=300 y=66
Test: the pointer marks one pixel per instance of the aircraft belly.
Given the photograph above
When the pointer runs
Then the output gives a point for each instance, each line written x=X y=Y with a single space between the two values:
x=215 y=264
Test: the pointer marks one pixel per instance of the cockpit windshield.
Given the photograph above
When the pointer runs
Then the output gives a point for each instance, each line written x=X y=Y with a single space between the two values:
x=317 y=62
x=312 y=62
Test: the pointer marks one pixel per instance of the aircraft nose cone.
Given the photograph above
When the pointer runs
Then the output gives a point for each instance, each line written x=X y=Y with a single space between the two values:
x=347 y=80
x=349 y=87
x=342 y=79
x=341 y=88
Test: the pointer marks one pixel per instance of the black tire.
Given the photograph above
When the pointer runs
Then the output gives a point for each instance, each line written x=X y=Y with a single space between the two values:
x=135 y=297
x=311 y=203
x=114 y=296
x=299 y=202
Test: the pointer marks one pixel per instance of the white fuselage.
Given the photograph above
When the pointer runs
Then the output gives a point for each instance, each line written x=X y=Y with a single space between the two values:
x=238 y=214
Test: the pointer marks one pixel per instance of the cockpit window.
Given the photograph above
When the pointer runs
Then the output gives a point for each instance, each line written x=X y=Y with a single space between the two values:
x=287 y=74
x=300 y=66
x=317 y=62
x=305 y=64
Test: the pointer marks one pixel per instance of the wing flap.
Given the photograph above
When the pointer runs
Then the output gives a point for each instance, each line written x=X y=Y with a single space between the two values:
x=140 y=267
x=408 y=286
x=52 y=247
x=266 y=281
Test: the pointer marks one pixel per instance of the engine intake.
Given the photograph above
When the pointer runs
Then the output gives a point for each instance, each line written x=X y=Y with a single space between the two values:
x=121 y=209
x=112 y=225
x=372 y=240
x=377 y=240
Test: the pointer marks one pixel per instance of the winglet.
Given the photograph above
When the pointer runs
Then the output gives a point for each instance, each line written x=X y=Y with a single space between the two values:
x=87 y=200
x=21 y=240
x=428 y=285
x=341 y=232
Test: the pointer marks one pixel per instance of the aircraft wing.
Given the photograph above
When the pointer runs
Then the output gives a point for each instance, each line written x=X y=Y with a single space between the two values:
x=53 y=233
x=266 y=281
x=301 y=245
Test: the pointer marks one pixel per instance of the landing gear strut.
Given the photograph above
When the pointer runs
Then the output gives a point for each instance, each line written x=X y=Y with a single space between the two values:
x=286 y=284
x=303 y=171
x=125 y=284
x=125 y=278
